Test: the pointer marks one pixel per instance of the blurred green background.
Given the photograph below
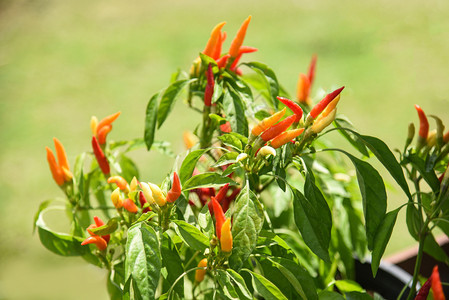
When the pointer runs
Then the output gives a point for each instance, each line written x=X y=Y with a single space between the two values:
x=63 y=61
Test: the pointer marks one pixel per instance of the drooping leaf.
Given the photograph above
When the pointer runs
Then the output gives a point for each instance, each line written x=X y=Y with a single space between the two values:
x=189 y=163
x=342 y=123
x=382 y=237
x=247 y=223
x=107 y=228
x=240 y=284
x=143 y=260
x=151 y=120
x=192 y=235
x=173 y=263
x=270 y=80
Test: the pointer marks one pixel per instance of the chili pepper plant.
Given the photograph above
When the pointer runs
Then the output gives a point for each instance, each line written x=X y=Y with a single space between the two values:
x=260 y=205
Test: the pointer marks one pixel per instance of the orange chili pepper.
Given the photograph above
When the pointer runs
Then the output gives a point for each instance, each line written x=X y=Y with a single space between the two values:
x=215 y=35
x=312 y=67
x=295 y=108
x=107 y=121
x=437 y=289
x=55 y=169
x=223 y=61
x=317 y=109
x=226 y=236
x=217 y=50
x=219 y=216
x=237 y=42
x=61 y=154
x=200 y=273
x=101 y=158
x=97 y=240
x=286 y=137
x=175 y=190
x=277 y=129
x=157 y=194
x=103 y=133
x=130 y=206
x=267 y=122
x=302 y=89
x=242 y=50
x=120 y=182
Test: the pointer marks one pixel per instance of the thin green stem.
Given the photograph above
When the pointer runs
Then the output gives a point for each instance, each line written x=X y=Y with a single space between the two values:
x=422 y=237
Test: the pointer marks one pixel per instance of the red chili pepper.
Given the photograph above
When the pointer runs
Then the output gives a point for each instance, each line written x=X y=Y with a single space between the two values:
x=437 y=289
x=223 y=61
x=226 y=127
x=130 y=206
x=242 y=50
x=423 y=123
x=142 y=201
x=424 y=290
x=312 y=67
x=209 y=86
x=99 y=223
x=317 y=109
x=97 y=240
x=227 y=201
x=101 y=158
x=215 y=35
x=286 y=137
x=295 y=108
x=277 y=129
x=237 y=42
x=219 y=216
x=222 y=193
x=175 y=190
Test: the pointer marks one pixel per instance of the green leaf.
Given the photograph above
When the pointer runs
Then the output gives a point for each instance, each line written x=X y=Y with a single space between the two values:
x=227 y=287
x=270 y=80
x=428 y=175
x=265 y=287
x=348 y=286
x=205 y=221
x=191 y=235
x=168 y=99
x=385 y=156
x=114 y=290
x=235 y=112
x=206 y=180
x=59 y=243
x=173 y=263
x=382 y=237
x=42 y=206
x=231 y=141
x=247 y=223
x=189 y=163
x=357 y=296
x=298 y=277
x=432 y=248
x=240 y=284
x=150 y=120
x=373 y=193
x=78 y=175
x=413 y=220
x=328 y=295
x=107 y=228
x=143 y=260
x=308 y=221
x=226 y=159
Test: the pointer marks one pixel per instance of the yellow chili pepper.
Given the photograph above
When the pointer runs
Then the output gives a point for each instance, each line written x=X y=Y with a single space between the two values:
x=200 y=273
x=226 y=236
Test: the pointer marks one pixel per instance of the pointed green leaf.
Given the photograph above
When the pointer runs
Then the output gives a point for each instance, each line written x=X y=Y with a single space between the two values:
x=206 y=180
x=265 y=287
x=189 y=163
x=173 y=263
x=240 y=284
x=270 y=80
x=191 y=235
x=150 y=120
x=235 y=112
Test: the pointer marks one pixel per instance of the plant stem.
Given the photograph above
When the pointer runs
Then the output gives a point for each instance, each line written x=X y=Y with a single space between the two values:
x=422 y=237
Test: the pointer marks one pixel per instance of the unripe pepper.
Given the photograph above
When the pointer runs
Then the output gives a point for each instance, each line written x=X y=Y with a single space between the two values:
x=423 y=124
x=237 y=42
x=295 y=108
x=266 y=150
x=116 y=198
x=133 y=185
x=437 y=289
x=286 y=137
x=200 y=273
x=158 y=196
x=219 y=216
x=209 y=86
x=410 y=134
x=323 y=121
x=120 y=182
x=277 y=129
x=175 y=190
x=101 y=158
x=226 y=236
x=148 y=194
x=267 y=122
x=93 y=125
x=318 y=108
x=130 y=206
